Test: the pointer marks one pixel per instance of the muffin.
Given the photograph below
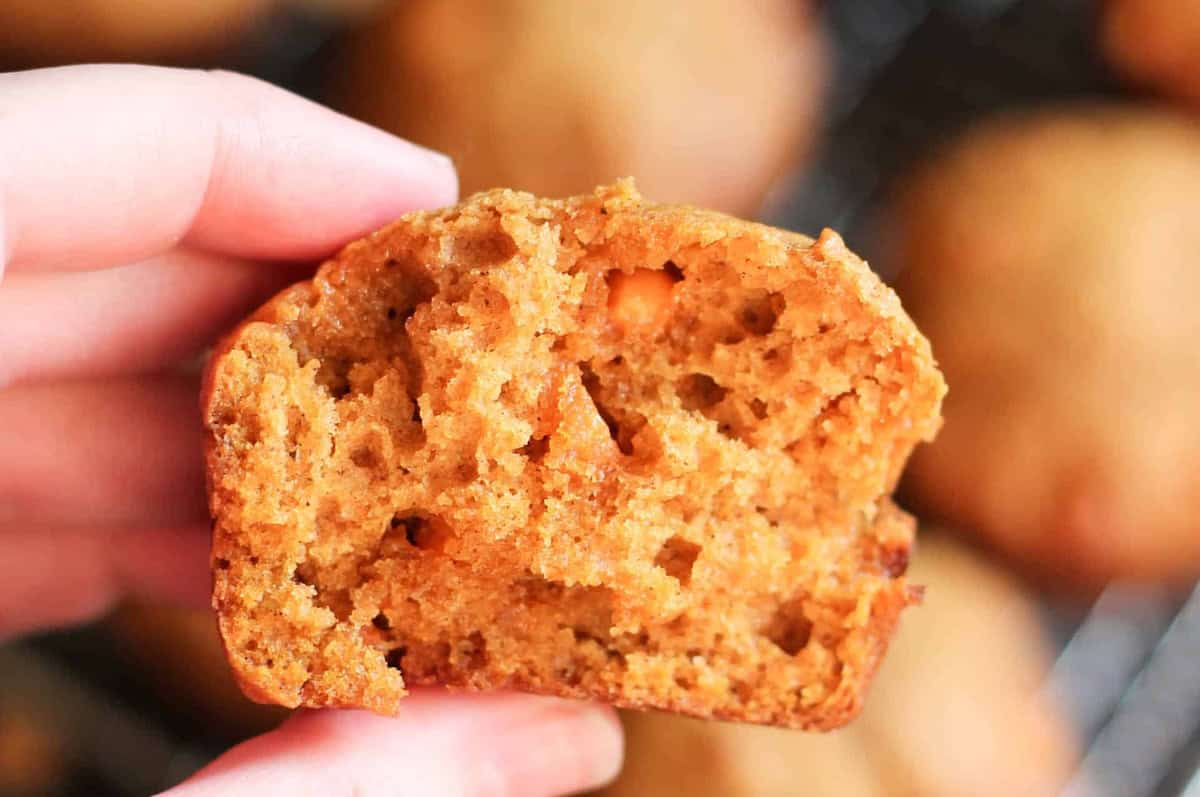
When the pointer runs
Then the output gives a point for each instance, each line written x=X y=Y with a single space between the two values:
x=40 y=32
x=591 y=447
x=33 y=755
x=1155 y=43
x=1047 y=256
x=178 y=653
x=956 y=709
x=708 y=107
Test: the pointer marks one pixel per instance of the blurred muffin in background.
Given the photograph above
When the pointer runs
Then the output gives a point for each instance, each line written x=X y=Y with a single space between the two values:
x=955 y=710
x=178 y=652
x=1053 y=260
x=38 y=32
x=958 y=707
x=1156 y=43
x=33 y=760
x=667 y=755
x=707 y=103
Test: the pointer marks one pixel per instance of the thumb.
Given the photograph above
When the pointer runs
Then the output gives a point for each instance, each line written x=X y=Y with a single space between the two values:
x=440 y=744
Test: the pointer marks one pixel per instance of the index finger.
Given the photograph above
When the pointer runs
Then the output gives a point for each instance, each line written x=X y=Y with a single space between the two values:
x=102 y=165
x=489 y=744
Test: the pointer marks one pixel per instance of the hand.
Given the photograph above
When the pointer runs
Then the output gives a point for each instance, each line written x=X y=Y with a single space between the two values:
x=134 y=204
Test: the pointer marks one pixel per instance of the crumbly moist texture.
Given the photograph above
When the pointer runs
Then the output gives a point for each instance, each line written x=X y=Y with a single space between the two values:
x=443 y=461
x=995 y=732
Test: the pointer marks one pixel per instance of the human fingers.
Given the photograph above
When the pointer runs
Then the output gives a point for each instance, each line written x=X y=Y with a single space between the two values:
x=108 y=164
x=131 y=319
x=439 y=744
x=119 y=453
x=59 y=575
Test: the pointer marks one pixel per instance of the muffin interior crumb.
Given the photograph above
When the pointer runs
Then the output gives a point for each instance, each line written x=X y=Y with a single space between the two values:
x=590 y=448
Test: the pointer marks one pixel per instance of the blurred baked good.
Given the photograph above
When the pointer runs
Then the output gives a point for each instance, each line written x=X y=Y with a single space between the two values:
x=707 y=104
x=956 y=710
x=33 y=758
x=1156 y=43
x=1052 y=259
x=58 y=31
x=667 y=756
x=178 y=653
x=593 y=447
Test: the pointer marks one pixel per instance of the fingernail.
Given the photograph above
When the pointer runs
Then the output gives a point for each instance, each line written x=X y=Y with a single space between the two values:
x=440 y=178
x=563 y=747
x=448 y=172
x=425 y=178
x=442 y=160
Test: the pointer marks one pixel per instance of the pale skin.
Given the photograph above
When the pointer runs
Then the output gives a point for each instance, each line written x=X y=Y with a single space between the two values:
x=142 y=212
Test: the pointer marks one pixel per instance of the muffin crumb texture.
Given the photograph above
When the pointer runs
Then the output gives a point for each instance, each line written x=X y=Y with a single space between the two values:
x=590 y=447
